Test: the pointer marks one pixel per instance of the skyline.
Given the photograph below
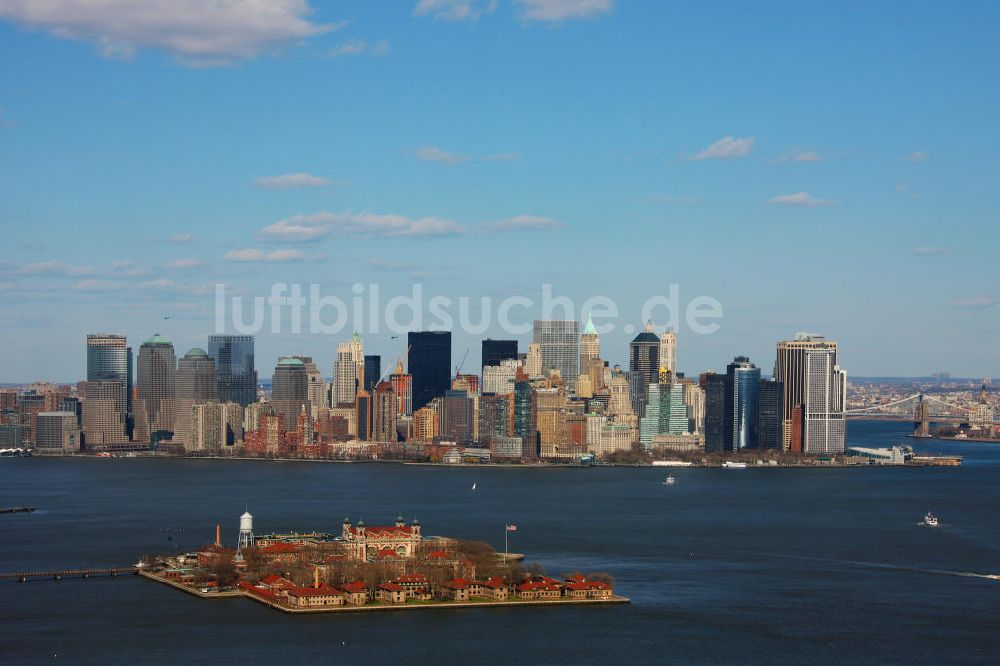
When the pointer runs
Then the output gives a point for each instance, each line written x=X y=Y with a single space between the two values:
x=363 y=144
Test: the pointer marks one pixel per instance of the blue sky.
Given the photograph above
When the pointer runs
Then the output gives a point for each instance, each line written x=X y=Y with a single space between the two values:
x=825 y=167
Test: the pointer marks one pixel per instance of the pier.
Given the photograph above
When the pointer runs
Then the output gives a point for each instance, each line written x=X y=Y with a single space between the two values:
x=25 y=576
x=17 y=509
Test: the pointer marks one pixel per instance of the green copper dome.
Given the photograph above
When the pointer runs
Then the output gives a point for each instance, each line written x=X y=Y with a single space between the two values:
x=157 y=339
x=196 y=352
x=288 y=360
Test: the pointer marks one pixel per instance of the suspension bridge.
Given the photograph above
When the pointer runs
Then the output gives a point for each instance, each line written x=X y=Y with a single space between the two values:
x=917 y=407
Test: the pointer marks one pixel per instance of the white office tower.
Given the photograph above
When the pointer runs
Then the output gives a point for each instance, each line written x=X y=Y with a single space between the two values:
x=348 y=371
x=825 y=396
x=499 y=379
x=668 y=350
x=533 y=360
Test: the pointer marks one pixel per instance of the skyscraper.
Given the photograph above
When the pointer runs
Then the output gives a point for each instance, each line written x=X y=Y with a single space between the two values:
x=348 y=370
x=457 y=416
x=156 y=408
x=590 y=347
x=644 y=359
x=384 y=413
x=771 y=417
x=668 y=350
x=743 y=380
x=196 y=383
x=289 y=389
x=109 y=360
x=429 y=363
x=316 y=387
x=732 y=408
x=372 y=371
x=402 y=384
x=235 y=373
x=495 y=351
x=808 y=369
x=363 y=408
x=559 y=345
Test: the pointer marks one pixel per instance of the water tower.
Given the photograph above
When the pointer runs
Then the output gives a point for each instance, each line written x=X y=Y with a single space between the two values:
x=246 y=532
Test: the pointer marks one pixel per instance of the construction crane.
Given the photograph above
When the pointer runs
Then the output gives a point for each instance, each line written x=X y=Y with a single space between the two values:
x=400 y=361
x=458 y=368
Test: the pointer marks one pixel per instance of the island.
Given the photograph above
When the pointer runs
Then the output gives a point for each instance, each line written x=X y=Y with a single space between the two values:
x=367 y=568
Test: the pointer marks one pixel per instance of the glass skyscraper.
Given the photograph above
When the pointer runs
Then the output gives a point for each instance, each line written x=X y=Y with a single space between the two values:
x=234 y=367
x=429 y=362
x=559 y=343
x=494 y=351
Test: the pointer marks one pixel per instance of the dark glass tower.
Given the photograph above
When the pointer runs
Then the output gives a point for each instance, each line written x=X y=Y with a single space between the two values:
x=429 y=363
x=644 y=363
x=495 y=351
x=373 y=372
x=771 y=416
x=109 y=359
x=234 y=367
x=732 y=408
x=290 y=389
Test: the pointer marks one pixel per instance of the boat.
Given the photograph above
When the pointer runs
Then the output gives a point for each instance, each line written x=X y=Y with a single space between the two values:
x=930 y=520
x=473 y=485
x=730 y=464
x=670 y=480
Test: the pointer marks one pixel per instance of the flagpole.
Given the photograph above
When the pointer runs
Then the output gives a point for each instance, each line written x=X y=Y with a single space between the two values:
x=505 y=530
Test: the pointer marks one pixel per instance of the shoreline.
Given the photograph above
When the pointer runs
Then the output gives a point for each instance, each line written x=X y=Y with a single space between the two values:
x=371 y=607
x=684 y=464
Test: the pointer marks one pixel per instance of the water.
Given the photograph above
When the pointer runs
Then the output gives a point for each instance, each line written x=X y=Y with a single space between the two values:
x=726 y=566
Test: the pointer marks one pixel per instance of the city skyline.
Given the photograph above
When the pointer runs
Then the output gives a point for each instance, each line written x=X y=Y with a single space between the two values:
x=368 y=145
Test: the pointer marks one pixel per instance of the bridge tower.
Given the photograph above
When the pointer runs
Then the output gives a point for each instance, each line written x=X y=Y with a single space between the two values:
x=922 y=419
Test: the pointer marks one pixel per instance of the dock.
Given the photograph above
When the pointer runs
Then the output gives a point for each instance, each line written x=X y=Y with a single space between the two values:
x=25 y=576
x=17 y=509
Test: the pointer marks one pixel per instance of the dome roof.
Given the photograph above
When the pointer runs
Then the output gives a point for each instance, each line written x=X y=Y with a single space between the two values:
x=157 y=339
x=289 y=361
x=196 y=352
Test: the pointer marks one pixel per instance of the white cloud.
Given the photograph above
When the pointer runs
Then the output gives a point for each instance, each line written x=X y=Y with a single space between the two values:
x=54 y=267
x=434 y=154
x=318 y=225
x=928 y=251
x=185 y=263
x=727 y=148
x=523 y=223
x=159 y=283
x=251 y=254
x=561 y=10
x=974 y=302
x=181 y=238
x=799 y=155
x=455 y=10
x=195 y=32
x=916 y=156
x=359 y=47
x=289 y=181
x=800 y=199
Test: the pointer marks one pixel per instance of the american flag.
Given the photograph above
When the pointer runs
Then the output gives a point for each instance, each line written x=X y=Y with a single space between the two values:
x=512 y=528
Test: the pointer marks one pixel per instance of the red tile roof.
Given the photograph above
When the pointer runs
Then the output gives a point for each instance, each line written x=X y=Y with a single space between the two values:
x=355 y=587
x=391 y=587
x=322 y=591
